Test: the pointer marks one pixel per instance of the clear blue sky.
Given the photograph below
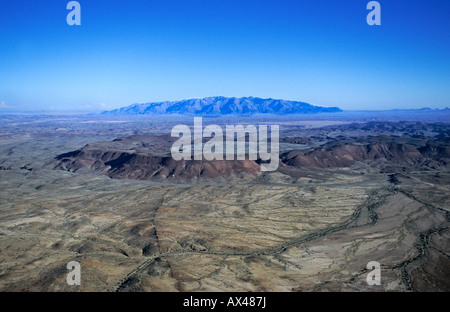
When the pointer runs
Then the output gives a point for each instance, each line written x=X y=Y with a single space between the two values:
x=318 y=51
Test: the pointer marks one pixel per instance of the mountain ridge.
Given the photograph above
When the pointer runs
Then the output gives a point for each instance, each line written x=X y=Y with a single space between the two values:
x=220 y=105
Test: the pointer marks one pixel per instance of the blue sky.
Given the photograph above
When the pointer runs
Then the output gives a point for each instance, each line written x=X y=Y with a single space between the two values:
x=318 y=51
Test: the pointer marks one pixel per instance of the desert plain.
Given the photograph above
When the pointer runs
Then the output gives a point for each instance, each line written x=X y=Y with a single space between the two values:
x=349 y=190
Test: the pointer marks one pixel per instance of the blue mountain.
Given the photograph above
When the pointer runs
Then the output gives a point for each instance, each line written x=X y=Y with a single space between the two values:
x=220 y=105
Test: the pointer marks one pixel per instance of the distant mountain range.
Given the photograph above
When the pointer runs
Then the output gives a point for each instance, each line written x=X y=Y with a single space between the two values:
x=220 y=105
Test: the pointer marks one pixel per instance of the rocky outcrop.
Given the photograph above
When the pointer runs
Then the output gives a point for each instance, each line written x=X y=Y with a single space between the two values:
x=136 y=158
x=148 y=157
x=338 y=154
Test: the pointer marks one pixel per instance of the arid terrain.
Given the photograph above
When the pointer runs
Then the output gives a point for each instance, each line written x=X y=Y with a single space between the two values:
x=104 y=191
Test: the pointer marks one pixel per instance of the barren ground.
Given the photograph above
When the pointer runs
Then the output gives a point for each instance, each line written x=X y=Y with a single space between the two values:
x=315 y=230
